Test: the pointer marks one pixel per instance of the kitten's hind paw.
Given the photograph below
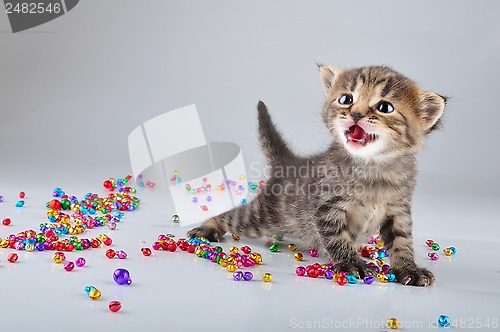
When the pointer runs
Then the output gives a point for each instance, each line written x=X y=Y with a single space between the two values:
x=413 y=276
x=358 y=268
x=207 y=232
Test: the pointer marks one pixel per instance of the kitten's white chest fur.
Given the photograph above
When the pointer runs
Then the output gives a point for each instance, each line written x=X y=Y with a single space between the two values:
x=364 y=220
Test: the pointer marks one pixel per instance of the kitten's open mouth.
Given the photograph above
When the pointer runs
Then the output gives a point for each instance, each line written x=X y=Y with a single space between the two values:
x=359 y=136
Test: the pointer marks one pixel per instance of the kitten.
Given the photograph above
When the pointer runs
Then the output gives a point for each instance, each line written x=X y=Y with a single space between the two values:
x=363 y=182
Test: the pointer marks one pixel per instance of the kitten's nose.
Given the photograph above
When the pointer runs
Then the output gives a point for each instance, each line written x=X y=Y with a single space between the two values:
x=356 y=116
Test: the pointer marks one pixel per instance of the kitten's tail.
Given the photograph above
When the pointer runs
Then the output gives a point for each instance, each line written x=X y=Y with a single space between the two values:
x=275 y=148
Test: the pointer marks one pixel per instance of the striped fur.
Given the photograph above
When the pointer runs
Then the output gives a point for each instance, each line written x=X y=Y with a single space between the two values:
x=345 y=194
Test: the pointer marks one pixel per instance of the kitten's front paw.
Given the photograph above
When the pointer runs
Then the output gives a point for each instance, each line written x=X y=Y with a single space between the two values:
x=209 y=233
x=413 y=276
x=358 y=268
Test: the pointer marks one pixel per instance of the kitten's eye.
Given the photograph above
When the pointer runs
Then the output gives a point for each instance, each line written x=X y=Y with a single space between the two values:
x=385 y=107
x=345 y=99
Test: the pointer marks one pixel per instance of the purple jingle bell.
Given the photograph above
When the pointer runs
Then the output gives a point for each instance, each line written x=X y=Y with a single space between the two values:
x=368 y=280
x=329 y=274
x=247 y=276
x=80 y=262
x=237 y=276
x=122 y=277
x=111 y=225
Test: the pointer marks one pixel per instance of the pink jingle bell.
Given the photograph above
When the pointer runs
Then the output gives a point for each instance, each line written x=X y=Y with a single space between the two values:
x=433 y=256
x=69 y=266
x=121 y=254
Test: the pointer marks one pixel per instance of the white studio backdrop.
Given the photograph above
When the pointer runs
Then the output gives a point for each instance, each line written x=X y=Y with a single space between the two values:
x=73 y=89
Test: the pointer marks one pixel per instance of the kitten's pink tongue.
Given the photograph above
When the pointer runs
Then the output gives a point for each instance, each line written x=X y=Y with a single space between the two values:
x=356 y=132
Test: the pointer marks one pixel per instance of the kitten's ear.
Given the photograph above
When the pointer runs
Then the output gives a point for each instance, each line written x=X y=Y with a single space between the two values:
x=328 y=76
x=431 y=110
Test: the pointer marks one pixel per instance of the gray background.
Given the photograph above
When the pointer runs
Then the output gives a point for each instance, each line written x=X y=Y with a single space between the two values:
x=71 y=90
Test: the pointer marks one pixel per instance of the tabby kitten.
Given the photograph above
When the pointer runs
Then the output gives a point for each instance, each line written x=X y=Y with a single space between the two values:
x=363 y=182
